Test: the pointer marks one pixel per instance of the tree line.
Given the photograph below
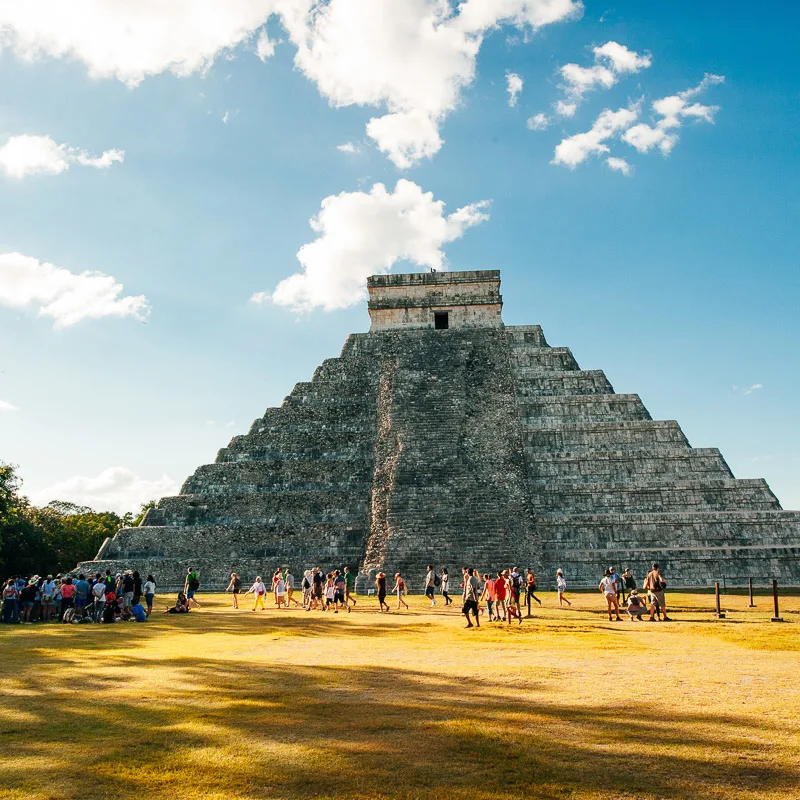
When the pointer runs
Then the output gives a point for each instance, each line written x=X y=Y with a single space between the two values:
x=54 y=538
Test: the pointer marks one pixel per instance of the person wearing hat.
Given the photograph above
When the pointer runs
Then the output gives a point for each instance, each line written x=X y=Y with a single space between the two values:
x=380 y=583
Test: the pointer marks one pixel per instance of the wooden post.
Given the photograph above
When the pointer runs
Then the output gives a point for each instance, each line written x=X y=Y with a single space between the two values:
x=777 y=617
x=720 y=614
x=750 y=588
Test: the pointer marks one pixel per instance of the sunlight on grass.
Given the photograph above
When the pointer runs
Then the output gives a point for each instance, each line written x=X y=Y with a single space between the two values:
x=288 y=704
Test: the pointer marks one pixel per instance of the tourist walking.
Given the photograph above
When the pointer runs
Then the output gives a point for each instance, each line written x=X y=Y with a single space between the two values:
x=400 y=590
x=530 y=589
x=339 y=589
x=150 y=593
x=608 y=586
x=330 y=593
x=448 y=601
x=318 y=580
x=234 y=587
x=430 y=585
x=349 y=586
x=561 y=587
x=259 y=592
x=655 y=585
x=190 y=587
x=380 y=583
x=305 y=586
x=500 y=594
x=469 y=597
x=280 y=591
x=289 y=579
x=488 y=595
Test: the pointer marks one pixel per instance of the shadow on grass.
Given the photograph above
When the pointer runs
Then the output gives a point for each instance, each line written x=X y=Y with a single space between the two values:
x=192 y=726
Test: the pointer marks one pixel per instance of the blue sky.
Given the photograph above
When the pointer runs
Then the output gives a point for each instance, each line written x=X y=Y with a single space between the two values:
x=679 y=279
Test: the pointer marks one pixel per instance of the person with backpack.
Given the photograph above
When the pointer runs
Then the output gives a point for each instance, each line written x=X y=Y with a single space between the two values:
x=190 y=587
x=470 y=597
x=430 y=584
x=235 y=586
x=655 y=585
x=400 y=590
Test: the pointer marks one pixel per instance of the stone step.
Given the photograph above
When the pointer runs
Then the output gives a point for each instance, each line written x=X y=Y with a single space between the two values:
x=569 y=382
x=621 y=465
x=247 y=452
x=555 y=358
x=265 y=508
x=581 y=408
x=641 y=531
x=521 y=336
x=298 y=413
x=291 y=475
x=581 y=436
x=648 y=496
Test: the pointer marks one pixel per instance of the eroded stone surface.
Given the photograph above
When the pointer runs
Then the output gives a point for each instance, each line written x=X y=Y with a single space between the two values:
x=477 y=445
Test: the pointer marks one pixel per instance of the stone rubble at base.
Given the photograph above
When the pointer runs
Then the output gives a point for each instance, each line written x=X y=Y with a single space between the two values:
x=474 y=444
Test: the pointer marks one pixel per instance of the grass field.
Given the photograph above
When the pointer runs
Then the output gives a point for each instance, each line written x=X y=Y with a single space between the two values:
x=277 y=704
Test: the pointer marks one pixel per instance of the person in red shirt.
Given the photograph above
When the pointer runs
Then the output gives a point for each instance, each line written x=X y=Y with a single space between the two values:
x=488 y=594
x=500 y=596
x=67 y=597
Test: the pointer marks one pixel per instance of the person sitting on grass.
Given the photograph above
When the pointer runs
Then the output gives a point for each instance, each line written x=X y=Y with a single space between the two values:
x=181 y=605
x=139 y=612
x=636 y=605
x=110 y=610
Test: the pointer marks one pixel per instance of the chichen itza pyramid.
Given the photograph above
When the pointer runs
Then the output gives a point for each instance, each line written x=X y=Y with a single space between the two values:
x=444 y=437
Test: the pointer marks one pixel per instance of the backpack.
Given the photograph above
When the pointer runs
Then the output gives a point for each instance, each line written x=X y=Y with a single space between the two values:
x=437 y=581
x=194 y=584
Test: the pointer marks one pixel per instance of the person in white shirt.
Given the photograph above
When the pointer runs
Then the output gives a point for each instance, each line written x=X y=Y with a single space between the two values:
x=430 y=585
x=259 y=591
x=99 y=598
x=280 y=591
x=608 y=586
x=149 y=591
x=561 y=585
x=48 y=592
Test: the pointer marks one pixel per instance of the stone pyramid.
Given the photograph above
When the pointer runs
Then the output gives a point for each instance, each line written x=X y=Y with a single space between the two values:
x=444 y=437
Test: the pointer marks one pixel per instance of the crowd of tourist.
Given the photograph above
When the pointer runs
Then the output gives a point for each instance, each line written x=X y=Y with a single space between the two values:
x=99 y=598
x=498 y=597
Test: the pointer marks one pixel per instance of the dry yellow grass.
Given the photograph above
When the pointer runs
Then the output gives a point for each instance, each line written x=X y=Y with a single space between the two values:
x=226 y=704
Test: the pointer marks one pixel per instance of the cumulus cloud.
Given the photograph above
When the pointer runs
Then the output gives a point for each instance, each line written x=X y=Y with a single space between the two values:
x=612 y=60
x=619 y=165
x=513 y=87
x=6 y=406
x=26 y=155
x=538 y=122
x=673 y=111
x=364 y=233
x=115 y=489
x=347 y=147
x=576 y=149
x=65 y=296
x=411 y=58
x=265 y=47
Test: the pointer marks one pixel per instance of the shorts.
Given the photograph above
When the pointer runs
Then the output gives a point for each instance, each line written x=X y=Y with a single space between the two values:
x=338 y=597
x=429 y=591
x=190 y=594
x=659 y=598
x=80 y=601
x=318 y=592
x=470 y=606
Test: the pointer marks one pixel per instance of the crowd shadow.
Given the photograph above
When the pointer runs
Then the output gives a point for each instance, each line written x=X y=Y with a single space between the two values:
x=240 y=728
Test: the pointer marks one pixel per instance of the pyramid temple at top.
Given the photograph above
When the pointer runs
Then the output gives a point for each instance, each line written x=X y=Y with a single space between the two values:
x=443 y=436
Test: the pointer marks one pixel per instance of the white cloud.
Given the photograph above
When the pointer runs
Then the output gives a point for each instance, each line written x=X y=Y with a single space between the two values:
x=406 y=137
x=65 y=296
x=6 y=406
x=265 y=47
x=27 y=155
x=619 y=165
x=612 y=60
x=575 y=149
x=754 y=388
x=565 y=109
x=347 y=147
x=114 y=489
x=538 y=122
x=412 y=58
x=513 y=87
x=673 y=110
x=364 y=233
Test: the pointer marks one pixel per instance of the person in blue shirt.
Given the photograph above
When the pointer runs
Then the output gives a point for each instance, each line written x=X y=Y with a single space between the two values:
x=139 y=613
x=81 y=591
